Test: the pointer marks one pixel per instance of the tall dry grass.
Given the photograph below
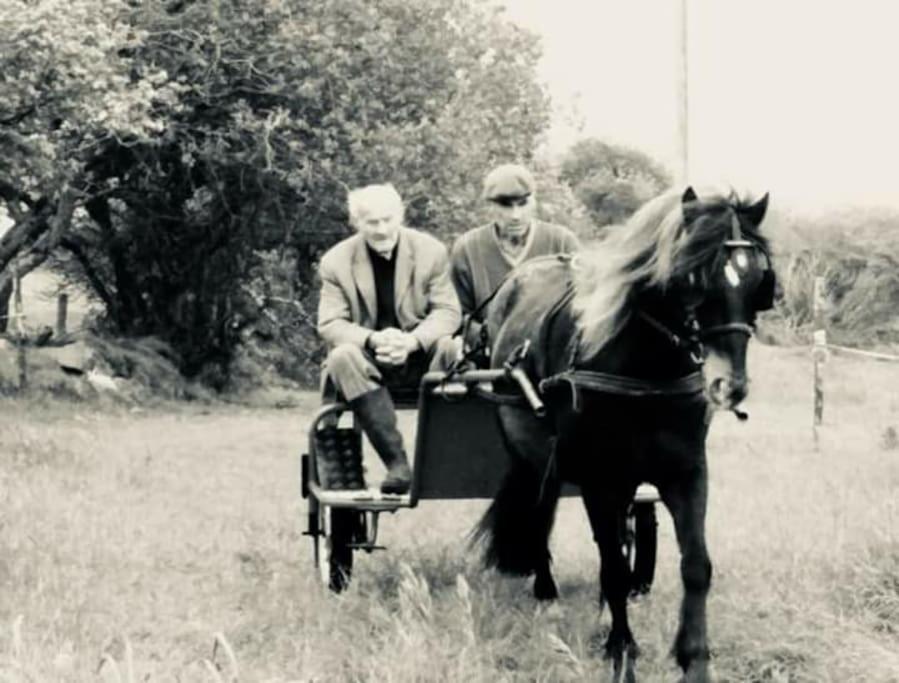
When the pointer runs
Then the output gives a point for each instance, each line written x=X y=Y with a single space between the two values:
x=166 y=545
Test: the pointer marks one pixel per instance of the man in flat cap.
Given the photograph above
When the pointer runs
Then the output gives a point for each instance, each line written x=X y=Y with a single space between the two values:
x=387 y=307
x=482 y=257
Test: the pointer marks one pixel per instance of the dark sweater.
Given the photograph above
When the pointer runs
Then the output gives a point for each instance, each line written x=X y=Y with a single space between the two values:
x=479 y=264
x=384 y=270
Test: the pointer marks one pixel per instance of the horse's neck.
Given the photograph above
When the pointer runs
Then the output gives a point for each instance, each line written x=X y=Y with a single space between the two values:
x=643 y=350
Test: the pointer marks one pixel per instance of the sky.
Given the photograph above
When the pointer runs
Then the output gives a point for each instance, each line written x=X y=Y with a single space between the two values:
x=791 y=96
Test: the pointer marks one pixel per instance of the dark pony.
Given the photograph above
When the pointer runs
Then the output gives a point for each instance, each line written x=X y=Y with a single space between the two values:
x=632 y=346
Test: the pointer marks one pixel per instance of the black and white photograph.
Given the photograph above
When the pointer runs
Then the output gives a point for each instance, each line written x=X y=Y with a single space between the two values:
x=406 y=341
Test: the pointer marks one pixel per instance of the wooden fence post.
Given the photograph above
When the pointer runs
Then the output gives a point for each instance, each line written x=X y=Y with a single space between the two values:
x=62 y=309
x=18 y=311
x=819 y=353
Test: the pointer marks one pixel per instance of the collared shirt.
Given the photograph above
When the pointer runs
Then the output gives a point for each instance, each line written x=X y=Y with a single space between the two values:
x=517 y=253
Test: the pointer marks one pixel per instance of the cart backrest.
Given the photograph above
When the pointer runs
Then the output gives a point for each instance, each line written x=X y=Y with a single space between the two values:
x=459 y=450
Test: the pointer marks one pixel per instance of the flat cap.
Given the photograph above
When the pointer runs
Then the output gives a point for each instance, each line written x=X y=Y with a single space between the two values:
x=508 y=180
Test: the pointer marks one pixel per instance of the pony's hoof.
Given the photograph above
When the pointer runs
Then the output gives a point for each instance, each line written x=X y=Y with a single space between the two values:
x=545 y=589
x=623 y=669
x=624 y=663
x=698 y=672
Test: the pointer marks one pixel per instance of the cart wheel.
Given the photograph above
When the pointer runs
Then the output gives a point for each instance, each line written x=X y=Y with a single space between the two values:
x=642 y=546
x=333 y=553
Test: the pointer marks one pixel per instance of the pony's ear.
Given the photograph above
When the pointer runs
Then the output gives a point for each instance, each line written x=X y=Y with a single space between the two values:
x=688 y=205
x=756 y=212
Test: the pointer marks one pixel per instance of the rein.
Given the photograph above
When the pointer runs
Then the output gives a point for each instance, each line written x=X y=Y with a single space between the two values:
x=692 y=341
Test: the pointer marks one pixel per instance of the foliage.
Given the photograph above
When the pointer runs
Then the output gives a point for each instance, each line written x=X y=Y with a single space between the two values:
x=612 y=181
x=856 y=252
x=66 y=87
x=277 y=326
x=206 y=132
x=558 y=204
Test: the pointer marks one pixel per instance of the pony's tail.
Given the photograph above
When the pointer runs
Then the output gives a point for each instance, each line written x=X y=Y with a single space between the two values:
x=515 y=529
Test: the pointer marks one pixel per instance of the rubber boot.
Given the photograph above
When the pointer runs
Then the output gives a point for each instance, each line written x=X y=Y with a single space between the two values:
x=377 y=417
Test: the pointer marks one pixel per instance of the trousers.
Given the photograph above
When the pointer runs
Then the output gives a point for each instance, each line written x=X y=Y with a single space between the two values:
x=351 y=372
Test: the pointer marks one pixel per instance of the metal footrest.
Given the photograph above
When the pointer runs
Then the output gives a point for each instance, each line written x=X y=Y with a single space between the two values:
x=363 y=499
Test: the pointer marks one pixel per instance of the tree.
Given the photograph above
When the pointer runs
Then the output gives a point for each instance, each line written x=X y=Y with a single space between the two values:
x=612 y=181
x=67 y=88
x=257 y=118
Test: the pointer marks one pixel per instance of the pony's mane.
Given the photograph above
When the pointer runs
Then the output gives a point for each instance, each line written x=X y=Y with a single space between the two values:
x=647 y=251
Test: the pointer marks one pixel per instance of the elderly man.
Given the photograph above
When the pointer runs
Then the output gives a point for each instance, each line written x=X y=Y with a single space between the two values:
x=386 y=302
x=483 y=256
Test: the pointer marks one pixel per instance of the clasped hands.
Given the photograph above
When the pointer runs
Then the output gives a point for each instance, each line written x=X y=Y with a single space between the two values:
x=392 y=346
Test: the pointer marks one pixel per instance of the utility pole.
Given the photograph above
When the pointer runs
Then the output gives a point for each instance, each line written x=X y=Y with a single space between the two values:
x=682 y=79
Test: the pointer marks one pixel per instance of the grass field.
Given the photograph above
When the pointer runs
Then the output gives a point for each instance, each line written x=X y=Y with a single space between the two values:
x=166 y=545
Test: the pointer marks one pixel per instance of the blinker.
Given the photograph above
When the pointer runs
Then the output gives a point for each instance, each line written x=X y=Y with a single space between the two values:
x=764 y=295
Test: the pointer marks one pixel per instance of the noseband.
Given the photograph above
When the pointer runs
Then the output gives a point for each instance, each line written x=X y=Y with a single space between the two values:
x=727 y=328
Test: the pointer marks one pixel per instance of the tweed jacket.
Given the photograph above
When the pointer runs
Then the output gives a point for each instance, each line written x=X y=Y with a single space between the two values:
x=425 y=300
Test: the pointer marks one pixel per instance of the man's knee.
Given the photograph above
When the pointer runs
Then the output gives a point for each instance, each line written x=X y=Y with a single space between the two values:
x=351 y=372
x=344 y=357
x=346 y=362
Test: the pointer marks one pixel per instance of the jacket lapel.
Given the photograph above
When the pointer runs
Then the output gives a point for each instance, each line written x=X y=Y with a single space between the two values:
x=405 y=263
x=364 y=278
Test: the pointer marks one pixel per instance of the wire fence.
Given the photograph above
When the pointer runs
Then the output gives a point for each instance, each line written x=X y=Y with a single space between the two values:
x=821 y=349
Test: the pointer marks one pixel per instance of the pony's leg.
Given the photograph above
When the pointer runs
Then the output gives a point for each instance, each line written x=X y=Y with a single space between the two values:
x=686 y=500
x=529 y=438
x=544 y=584
x=518 y=523
x=604 y=512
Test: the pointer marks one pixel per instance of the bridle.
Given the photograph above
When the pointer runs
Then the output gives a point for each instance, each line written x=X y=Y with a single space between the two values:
x=693 y=334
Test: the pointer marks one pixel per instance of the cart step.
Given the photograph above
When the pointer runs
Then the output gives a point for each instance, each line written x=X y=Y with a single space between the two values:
x=364 y=499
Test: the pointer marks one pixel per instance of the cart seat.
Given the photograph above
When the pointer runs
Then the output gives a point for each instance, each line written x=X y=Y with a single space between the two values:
x=459 y=449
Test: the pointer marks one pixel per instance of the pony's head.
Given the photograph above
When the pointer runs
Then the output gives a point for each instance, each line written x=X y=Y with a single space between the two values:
x=707 y=260
x=724 y=278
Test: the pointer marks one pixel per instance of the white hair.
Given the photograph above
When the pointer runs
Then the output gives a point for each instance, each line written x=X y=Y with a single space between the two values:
x=360 y=200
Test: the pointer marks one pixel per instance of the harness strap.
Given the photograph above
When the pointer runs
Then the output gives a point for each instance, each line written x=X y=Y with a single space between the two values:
x=619 y=385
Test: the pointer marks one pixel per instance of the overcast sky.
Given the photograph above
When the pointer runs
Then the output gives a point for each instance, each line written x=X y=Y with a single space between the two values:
x=794 y=96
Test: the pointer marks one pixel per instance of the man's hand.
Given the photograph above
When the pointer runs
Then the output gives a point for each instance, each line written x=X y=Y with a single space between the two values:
x=392 y=346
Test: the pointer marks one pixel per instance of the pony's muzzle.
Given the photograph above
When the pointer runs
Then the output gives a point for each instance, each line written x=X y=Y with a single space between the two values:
x=725 y=393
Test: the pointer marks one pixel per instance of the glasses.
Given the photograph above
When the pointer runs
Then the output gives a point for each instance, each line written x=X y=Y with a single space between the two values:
x=509 y=202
